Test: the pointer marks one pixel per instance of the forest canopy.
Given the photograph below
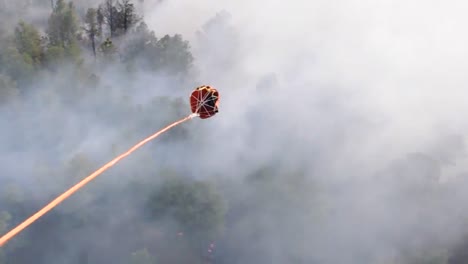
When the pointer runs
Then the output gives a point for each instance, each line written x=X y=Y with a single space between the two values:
x=312 y=159
x=77 y=59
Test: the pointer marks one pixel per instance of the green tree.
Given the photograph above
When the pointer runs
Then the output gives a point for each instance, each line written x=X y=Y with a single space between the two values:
x=119 y=17
x=175 y=55
x=54 y=55
x=196 y=206
x=92 y=28
x=28 y=42
x=108 y=50
x=100 y=19
x=127 y=16
x=109 y=13
x=170 y=54
x=63 y=31
x=12 y=63
x=141 y=48
x=21 y=54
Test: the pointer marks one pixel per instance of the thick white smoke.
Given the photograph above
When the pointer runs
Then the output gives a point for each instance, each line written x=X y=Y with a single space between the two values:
x=355 y=108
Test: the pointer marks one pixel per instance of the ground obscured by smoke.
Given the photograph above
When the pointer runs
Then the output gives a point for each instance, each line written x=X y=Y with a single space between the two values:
x=361 y=86
x=340 y=137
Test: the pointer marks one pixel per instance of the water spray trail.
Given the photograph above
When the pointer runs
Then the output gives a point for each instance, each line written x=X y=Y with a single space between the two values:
x=83 y=182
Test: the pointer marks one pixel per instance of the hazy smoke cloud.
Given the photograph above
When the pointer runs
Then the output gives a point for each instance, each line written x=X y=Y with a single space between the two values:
x=360 y=86
x=356 y=109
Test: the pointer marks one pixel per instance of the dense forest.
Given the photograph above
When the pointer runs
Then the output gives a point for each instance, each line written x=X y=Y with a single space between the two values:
x=81 y=81
x=56 y=70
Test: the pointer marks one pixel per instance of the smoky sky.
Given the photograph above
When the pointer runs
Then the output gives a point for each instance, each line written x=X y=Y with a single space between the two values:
x=366 y=96
x=362 y=102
